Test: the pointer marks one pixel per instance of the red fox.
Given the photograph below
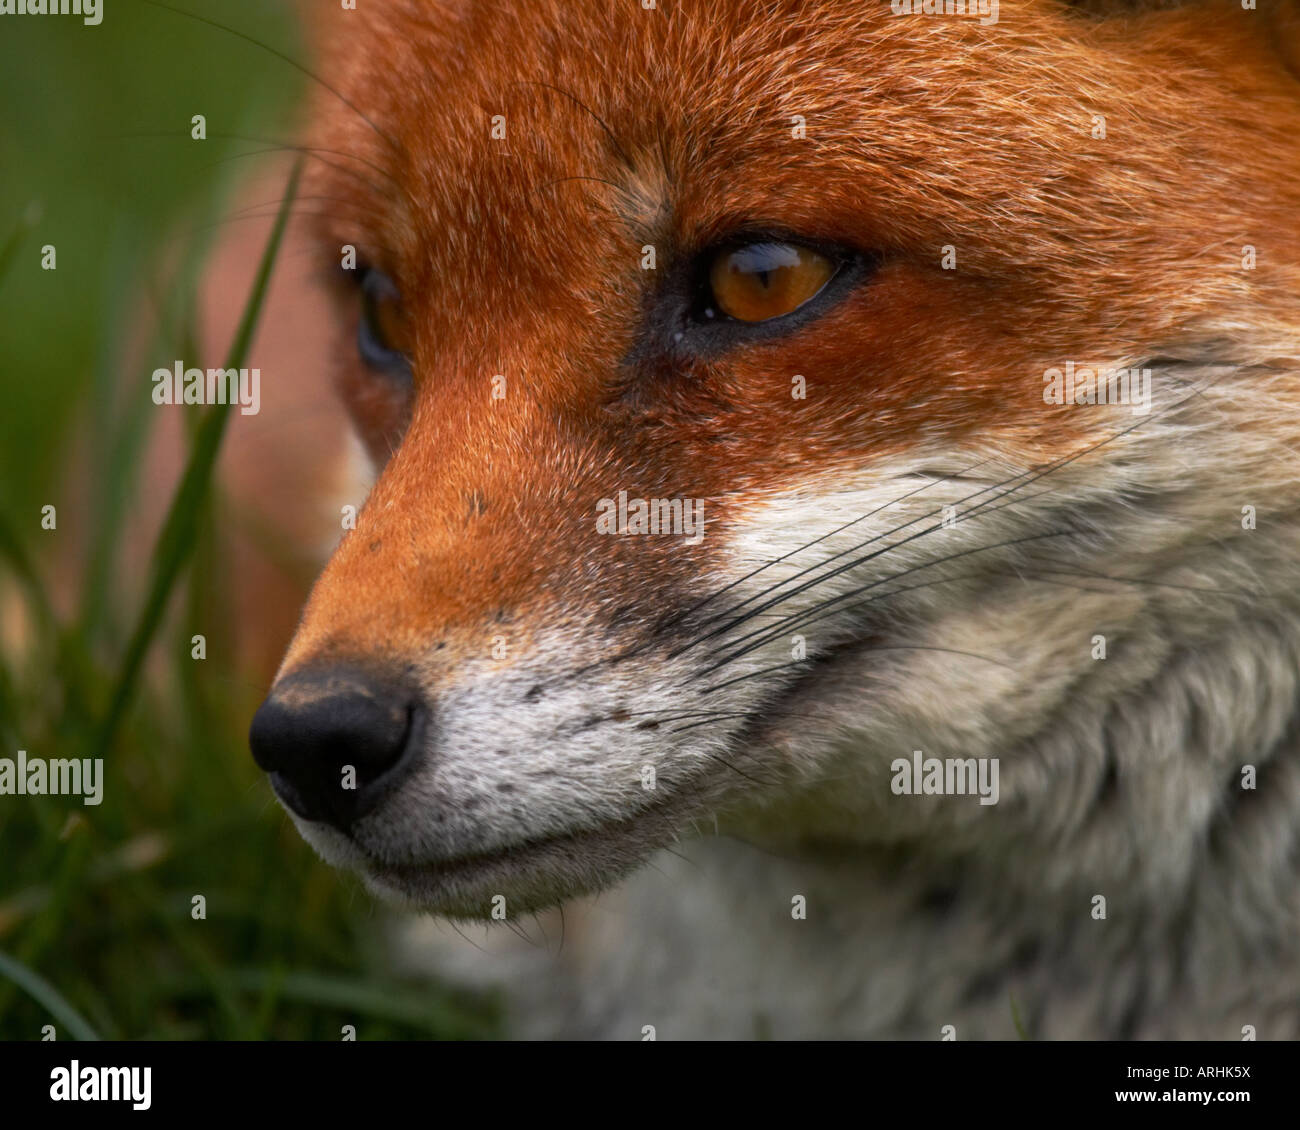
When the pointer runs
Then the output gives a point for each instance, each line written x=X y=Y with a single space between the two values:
x=838 y=494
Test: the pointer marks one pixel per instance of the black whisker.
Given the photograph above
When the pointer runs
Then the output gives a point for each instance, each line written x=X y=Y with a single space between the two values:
x=819 y=612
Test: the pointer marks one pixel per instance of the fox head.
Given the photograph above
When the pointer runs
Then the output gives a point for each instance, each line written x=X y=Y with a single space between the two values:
x=759 y=393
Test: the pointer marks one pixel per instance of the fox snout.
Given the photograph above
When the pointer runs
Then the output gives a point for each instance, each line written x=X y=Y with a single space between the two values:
x=334 y=740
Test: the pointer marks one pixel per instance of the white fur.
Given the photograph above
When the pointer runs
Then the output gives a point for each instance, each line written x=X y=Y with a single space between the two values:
x=1119 y=777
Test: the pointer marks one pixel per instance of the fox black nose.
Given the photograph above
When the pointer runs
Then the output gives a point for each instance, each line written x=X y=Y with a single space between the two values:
x=335 y=741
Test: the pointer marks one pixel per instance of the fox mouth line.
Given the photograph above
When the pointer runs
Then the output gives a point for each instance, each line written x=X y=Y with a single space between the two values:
x=635 y=834
x=540 y=871
x=546 y=869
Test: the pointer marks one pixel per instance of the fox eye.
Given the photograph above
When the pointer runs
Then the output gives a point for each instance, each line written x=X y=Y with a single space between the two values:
x=760 y=281
x=383 y=336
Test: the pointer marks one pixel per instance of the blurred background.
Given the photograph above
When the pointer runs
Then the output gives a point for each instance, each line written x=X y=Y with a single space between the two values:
x=168 y=523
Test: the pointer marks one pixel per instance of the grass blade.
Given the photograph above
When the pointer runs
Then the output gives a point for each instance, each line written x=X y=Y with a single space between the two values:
x=178 y=534
x=47 y=996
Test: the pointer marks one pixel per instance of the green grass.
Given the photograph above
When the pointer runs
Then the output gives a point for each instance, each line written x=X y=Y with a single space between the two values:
x=97 y=936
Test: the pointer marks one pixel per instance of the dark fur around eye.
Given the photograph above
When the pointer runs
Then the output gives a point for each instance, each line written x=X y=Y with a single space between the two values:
x=375 y=350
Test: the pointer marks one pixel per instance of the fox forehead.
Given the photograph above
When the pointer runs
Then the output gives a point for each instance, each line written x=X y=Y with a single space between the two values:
x=844 y=122
x=619 y=126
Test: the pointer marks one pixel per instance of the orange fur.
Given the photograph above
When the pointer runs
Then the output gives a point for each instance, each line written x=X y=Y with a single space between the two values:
x=673 y=127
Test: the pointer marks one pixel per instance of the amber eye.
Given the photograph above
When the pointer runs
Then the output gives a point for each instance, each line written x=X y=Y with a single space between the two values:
x=765 y=280
x=383 y=335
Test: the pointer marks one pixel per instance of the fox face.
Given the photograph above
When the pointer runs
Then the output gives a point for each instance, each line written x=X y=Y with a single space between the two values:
x=760 y=393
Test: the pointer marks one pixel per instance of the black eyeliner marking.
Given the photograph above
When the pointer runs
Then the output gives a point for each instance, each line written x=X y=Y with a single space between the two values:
x=375 y=353
x=681 y=324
